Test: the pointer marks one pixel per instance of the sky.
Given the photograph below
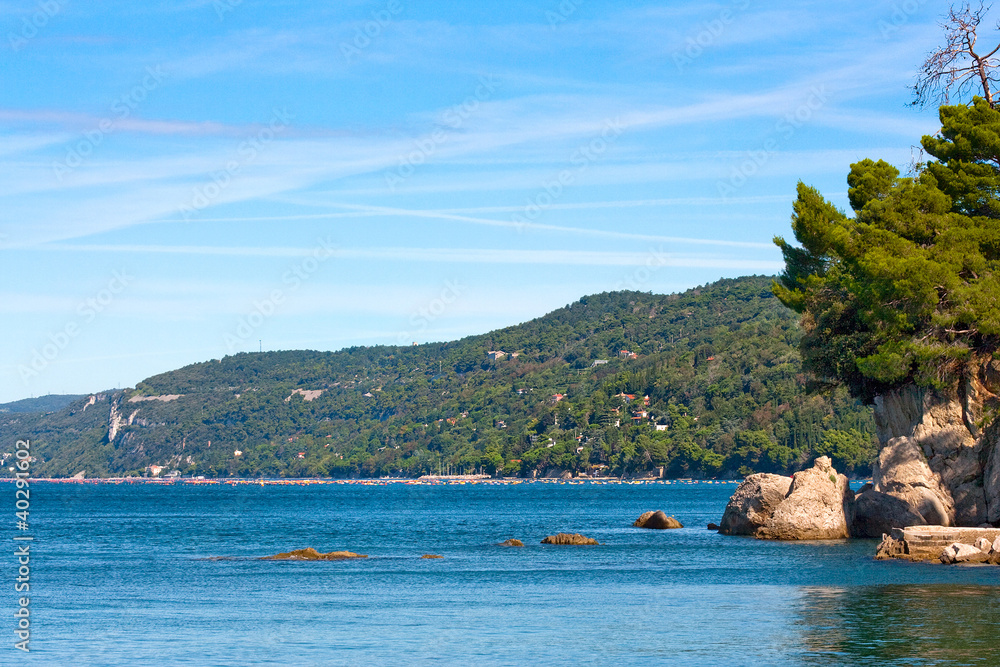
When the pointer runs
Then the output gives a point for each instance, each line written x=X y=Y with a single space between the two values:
x=181 y=181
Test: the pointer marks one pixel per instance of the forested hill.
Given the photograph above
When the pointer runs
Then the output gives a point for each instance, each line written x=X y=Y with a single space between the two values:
x=719 y=365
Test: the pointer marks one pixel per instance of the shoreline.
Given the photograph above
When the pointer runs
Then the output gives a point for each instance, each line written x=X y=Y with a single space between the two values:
x=366 y=482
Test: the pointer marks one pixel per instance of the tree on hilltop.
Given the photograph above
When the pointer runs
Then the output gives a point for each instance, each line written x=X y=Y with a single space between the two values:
x=961 y=65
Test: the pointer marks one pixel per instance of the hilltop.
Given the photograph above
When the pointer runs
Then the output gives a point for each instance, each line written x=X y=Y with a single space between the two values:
x=704 y=383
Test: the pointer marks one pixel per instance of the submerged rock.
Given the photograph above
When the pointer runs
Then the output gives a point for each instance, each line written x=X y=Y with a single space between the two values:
x=657 y=520
x=569 y=538
x=753 y=503
x=312 y=554
x=431 y=556
x=512 y=543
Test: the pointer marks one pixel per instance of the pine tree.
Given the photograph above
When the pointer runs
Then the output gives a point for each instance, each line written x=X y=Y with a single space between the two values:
x=906 y=290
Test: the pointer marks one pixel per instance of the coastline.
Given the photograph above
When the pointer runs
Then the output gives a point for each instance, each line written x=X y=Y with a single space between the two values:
x=371 y=482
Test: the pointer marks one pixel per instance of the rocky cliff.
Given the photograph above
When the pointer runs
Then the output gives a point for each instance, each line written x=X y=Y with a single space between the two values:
x=938 y=465
x=938 y=450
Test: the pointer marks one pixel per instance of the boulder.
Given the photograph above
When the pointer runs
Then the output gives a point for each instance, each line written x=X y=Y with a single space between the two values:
x=995 y=548
x=431 y=556
x=312 y=554
x=984 y=545
x=819 y=506
x=713 y=526
x=957 y=552
x=876 y=513
x=902 y=471
x=569 y=538
x=753 y=503
x=512 y=543
x=657 y=520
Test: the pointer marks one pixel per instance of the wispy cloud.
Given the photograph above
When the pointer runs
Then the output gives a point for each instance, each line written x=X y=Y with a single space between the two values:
x=448 y=255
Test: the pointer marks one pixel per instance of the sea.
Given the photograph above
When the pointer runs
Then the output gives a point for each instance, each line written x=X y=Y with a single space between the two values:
x=171 y=574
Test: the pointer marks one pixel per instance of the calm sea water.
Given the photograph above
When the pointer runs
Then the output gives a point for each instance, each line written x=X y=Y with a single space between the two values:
x=131 y=574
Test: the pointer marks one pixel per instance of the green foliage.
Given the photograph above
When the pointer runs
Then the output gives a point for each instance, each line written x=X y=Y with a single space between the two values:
x=907 y=289
x=719 y=364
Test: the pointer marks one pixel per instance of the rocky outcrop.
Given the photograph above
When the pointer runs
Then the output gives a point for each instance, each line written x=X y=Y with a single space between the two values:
x=753 y=503
x=936 y=455
x=512 y=543
x=431 y=556
x=941 y=543
x=819 y=506
x=876 y=513
x=569 y=538
x=903 y=472
x=657 y=520
x=312 y=554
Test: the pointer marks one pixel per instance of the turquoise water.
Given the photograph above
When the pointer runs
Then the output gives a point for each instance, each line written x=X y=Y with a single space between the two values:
x=143 y=574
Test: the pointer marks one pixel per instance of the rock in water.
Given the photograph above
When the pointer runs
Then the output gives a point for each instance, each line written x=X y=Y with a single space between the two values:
x=753 y=503
x=431 y=556
x=876 y=514
x=512 y=543
x=312 y=554
x=713 y=526
x=819 y=506
x=657 y=520
x=569 y=538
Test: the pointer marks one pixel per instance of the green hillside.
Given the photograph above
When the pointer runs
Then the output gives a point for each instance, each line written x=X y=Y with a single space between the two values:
x=719 y=364
x=48 y=403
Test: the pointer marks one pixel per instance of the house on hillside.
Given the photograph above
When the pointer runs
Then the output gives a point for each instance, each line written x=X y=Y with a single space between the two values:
x=496 y=355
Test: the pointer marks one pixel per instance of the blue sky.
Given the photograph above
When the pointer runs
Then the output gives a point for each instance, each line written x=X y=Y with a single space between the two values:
x=187 y=180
